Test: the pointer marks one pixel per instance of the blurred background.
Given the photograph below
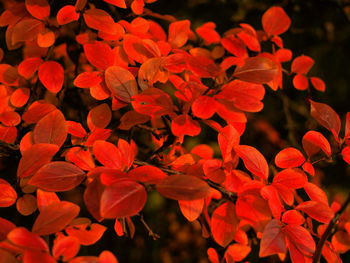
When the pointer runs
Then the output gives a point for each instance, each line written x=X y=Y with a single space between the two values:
x=320 y=29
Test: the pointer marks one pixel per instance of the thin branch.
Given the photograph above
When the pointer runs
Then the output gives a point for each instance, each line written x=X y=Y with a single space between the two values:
x=330 y=228
x=155 y=236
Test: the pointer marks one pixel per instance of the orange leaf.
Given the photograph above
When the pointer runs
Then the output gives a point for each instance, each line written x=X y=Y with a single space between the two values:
x=178 y=33
x=118 y=3
x=45 y=198
x=346 y=154
x=317 y=210
x=33 y=256
x=253 y=160
x=326 y=116
x=75 y=129
x=121 y=83
x=66 y=15
x=257 y=70
x=315 y=193
x=51 y=75
x=275 y=21
x=183 y=187
x=81 y=158
x=57 y=176
x=122 y=198
x=203 y=107
x=293 y=217
x=227 y=139
x=107 y=154
x=46 y=38
x=107 y=256
x=208 y=33
x=99 y=54
x=289 y=157
x=185 y=125
x=55 y=217
x=300 y=82
x=51 y=129
x=40 y=9
x=273 y=240
x=100 y=20
x=5 y=227
x=35 y=157
x=191 y=209
x=302 y=64
x=8 y=134
x=313 y=142
x=224 y=224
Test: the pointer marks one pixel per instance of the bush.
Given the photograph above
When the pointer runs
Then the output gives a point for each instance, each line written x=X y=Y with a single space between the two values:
x=102 y=120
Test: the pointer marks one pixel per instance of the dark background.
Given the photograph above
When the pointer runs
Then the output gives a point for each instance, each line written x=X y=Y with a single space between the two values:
x=320 y=29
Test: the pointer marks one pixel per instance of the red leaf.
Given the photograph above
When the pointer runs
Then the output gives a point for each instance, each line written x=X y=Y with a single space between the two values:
x=317 y=210
x=29 y=66
x=212 y=255
x=293 y=217
x=203 y=107
x=347 y=126
x=203 y=67
x=203 y=150
x=121 y=83
x=8 y=134
x=100 y=20
x=37 y=110
x=5 y=228
x=289 y=158
x=86 y=234
x=300 y=238
x=183 y=187
x=257 y=70
x=66 y=15
x=346 y=154
x=99 y=117
x=236 y=252
x=132 y=118
x=45 y=198
x=92 y=198
x=123 y=198
x=293 y=178
x=119 y=3
x=148 y=174
x=21 y=237
x=224 y=224
x=107 y=256
x=51 y=129
x=178 y=33
x=300 y=82
x=208 y=33
x=302 y=64
x=107 y=154
x=57 y=176
x=26 y=204
x=326 y=116
x=191 y=209
x=152 y=102
x=35 y=157
x=313 y=142
x=51 y=75
x=81 y=158
x=185 y=125
x=253 y=160
x=40 y=9
x=99 y=54
x=33 y=256
x=20 y=97
x=55 y=217
x=75 y=129
x=228 y=138
x=26 y=30
x=65 y=248
x=316 y=193
x=8 y=195
x=87 y=79
x=275 y=21
x=318 y=84
x=273 y=240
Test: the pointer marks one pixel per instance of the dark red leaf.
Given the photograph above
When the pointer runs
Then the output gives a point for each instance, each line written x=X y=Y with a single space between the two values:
x=183 y=187
x=317 y=210
x=313 y=142
x=273 y=240
x=275 y=21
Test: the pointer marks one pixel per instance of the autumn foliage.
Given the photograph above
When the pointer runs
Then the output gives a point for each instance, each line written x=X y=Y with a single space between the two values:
x=89 y=82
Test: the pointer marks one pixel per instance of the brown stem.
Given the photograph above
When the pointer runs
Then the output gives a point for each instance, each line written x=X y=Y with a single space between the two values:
x=330 y=228
x=150 y=231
